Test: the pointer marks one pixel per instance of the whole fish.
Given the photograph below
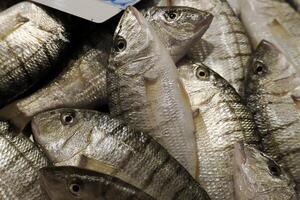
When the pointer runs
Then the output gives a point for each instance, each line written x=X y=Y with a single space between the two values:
x=221 y=119
x=20 y=160
x=259 y=177
x=274 y=21
x=92 y=140
x=83 y=82
x=144 y=89
x=269 y=80
x=225 y=47
x=68 y=183
x=31 y=41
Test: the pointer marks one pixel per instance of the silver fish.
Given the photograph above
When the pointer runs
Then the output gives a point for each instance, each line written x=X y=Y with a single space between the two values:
x=225 y=47
x=83 y=82
x=274 y=21
x=144 y=89
x=269 y=80
x=95 y=141
x=221 y=119
x=31 y=42
x=20 y=160
x=69 y=183
x=257 y=176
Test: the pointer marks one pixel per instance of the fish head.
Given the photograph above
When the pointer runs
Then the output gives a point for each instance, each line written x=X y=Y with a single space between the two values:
x=179 y=27
x=131 y=43
x=200 y=81
x=63 y=133
x=256 y=175
x=270 y=69
x=68 y=183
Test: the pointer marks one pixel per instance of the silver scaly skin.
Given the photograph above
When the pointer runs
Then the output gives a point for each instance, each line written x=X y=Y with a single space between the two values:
x=67 y=183
x=225 y=47
x=269 y=81
x=83 y=82
x=259 y=177
x=92 y=140
x=221 y=119
x=145 y=90
x=31 y=42
x=275 y=21
x=20 y=160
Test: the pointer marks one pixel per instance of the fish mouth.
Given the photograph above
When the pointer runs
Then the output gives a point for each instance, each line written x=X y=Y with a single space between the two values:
x=240 y=154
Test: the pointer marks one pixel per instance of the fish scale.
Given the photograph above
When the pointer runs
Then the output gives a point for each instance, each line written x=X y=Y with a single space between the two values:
x=221 y=119
x=225 y=47
x=104 y=140
x=31 y=42
x=20 y=161
x=268 y=96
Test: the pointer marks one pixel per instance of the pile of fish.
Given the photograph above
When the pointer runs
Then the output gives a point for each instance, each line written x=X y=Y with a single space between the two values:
x=172 y=99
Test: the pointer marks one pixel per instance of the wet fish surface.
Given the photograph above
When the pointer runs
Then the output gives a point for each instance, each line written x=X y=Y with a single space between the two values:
x=259 y=177
x=269 y=81
x=225 y=47
x=31 y=41
x=221 y=118
x=20 y=160
x=83 y=82
x=276 y=22
x=144 y=89
x=67 y=183
x=93 y=140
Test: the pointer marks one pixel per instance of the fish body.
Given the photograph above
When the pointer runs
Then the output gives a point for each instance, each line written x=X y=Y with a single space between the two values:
x=96 y=141
x=144 y=89
x=31 y=42
x=221 y=119
x=225 y=47
x=67 y=183
x=257 y=176
x=276 y=22
x=82 y=84
x=20 y=160
x=269 y=81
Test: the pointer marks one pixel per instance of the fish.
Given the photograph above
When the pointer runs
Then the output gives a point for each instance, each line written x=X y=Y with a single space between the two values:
x=221 y=119
x=269 y=81
x=225 y=47
x=20 y=160
x=144 y=89
x=82 y=84
x=257 y=176
x=235 y=6
x=31 y=42
x=96 y=141
x=276 y=22
x=68 y=183
x=178 y=27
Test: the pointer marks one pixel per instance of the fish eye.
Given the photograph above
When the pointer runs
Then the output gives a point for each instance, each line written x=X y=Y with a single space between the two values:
x=201 y=73
x=274 y=168
x=75 y=188
x=259 y=67
x=171 y=15
x=68 y=118
x=120 y=44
